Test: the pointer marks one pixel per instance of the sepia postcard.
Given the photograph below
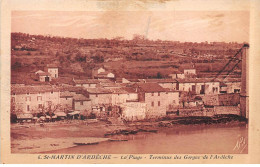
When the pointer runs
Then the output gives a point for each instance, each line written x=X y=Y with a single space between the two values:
x=130 y=82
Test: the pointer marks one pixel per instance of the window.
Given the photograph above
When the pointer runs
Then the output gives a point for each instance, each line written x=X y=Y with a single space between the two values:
x=51 y=92
x=28 y=98
x=236 y=90
x=39 y=98
x=152 y=103
x=81 y=102
x=28 y=108
x=28 y=93
x=66 y=98
x=152 y=93
x=39 y=105
x=167 y=93
x=158 y=93
x=159 y=103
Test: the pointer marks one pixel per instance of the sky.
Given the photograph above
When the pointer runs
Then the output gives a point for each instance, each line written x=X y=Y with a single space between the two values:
x=184 y=26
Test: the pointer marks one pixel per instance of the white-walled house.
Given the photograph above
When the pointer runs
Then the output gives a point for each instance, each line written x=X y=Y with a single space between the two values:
x=189 y=72
x=102 y=73
x=165 y=83
x=31 y=99
x=53 y=70
x=86 y=83
x=198 y=85
x=44 y=76
x=155 y=97
x=133 y=110
x=99 y=96
x=82 y=104
x=230 y=85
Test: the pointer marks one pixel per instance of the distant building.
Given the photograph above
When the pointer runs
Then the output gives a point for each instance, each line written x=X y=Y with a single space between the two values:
x=176 y=75
x=230 y=85
x=165 y=83
x=155 y=97
x=133 y=110
x=66 y=99
x=189 y=72
x=44 y=76
x=82 y=104
x=105 y=74
x=53 y=70
x=198 y=85
x=32 y=99
x=87 y=83
x=102 y=73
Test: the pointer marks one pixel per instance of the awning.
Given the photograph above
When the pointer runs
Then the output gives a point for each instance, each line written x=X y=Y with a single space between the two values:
x=74 y=113
x=24 y=116
x=42 y=118
x=60 y=114
x=54 y=116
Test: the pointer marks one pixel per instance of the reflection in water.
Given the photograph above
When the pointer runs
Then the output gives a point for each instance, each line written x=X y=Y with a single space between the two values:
x=185 y=140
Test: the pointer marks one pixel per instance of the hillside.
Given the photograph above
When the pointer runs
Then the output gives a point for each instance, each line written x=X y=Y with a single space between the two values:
x=137 y=58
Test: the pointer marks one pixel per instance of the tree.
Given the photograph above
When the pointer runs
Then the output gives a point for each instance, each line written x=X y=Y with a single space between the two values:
x=138 y=37
x=159 y=75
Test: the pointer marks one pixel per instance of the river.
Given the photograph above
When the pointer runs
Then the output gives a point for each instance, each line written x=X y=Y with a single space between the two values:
x=182 y=140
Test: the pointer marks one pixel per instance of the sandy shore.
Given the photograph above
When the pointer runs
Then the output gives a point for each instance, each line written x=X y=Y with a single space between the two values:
x=34 y=138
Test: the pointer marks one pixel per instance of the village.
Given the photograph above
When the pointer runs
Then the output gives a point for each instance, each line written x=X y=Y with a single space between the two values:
x=106 y=96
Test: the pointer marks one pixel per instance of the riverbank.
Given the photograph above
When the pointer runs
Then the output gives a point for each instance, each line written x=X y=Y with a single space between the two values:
x=35 y=138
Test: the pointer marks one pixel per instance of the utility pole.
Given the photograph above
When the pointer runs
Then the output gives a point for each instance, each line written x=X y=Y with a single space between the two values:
x=244 y=94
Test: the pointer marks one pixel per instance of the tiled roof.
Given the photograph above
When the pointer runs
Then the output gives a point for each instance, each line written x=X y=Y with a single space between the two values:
x=231 y=80
x=67 y=94
x=109 y=84
x=86 y=81
x=150 y=87
x=129 y=89
x=80 y=97
x=118 y=91
x=161 y=80
x=133 y=80
x=103 y=74
x=196 y=80
x=52 y=66
x=44 y=74
x=23 y=89
x=98 y=91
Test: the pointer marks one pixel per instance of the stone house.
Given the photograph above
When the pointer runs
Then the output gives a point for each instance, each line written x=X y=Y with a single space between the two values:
x=53 y=70
x=198 y=86
x=82 y=104
x=66 y=99
x=86 y=83
x=32 y=99
x=165 y=83
x=189 y=72
x=133 y=110
x=230 y=85
x=155 y=97
x=102 y=73
x=44 y=76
